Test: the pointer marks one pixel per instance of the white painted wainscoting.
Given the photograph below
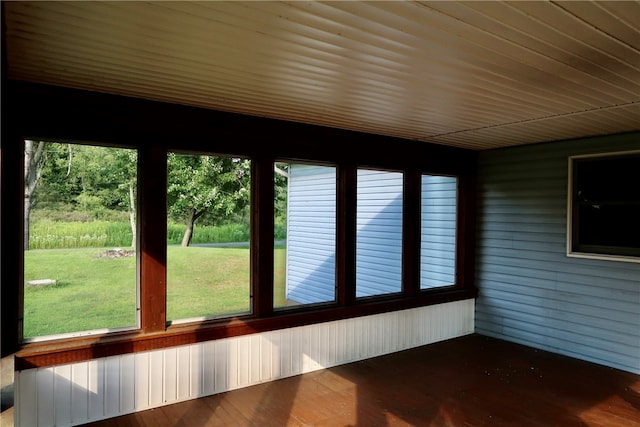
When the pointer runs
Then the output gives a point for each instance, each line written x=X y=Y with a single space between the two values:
x=68 y=395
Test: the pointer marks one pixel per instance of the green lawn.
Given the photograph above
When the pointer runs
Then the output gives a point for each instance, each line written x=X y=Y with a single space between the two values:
x=94 y=292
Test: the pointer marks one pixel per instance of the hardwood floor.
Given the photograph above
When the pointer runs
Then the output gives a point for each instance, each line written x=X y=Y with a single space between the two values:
x=467 y=381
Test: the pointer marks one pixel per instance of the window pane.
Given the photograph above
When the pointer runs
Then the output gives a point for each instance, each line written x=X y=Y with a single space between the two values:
x=79 y=258
x=606 y=205
x=379 y=233
x=208 y=260
x=305 y=233
x=438 y=231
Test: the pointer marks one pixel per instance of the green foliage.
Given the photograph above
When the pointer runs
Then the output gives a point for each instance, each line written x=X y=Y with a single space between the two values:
x=67 y=213
x=55 y=185
x=88 y=202
x=118 y=234
x=89 y=177
x=209 y=186
x=175 y=233
x=280 y=231
x=47 y=234
x=82 y=199
x=209 y=234
x=280 y=192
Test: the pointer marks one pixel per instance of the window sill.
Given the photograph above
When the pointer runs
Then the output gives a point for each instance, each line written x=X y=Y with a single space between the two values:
x=603 y=257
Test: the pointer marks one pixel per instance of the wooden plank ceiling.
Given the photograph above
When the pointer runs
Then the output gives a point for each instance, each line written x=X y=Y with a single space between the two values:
x=476 y=75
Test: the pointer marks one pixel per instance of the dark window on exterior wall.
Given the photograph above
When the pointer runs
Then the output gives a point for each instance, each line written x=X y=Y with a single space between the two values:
x=605 y=205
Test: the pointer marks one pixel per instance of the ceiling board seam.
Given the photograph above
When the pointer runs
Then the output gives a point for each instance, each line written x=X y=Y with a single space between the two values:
x=539 y=119
x=483 y=98
x=598 y=29
x=512 y=96
x=564 y=50
x=488 y=66
x=529 y=63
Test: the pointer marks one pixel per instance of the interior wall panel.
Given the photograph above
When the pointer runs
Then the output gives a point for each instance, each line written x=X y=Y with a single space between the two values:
x=530 y=292
x=70 y=395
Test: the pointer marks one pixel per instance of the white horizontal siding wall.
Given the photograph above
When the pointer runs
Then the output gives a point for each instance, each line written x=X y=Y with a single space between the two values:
x=378 y=233
x=438 y=231
x=78 y=393
x=311 y=234
x=530 y=292
x=311 y=229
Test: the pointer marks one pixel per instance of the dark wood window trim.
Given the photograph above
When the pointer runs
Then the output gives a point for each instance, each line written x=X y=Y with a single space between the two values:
x=262 y=222
x=152 y=257
x=155 y=128
x=411 y=233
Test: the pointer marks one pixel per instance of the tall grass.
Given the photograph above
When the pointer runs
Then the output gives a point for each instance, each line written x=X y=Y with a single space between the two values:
x=209 y=234
x=49 y=234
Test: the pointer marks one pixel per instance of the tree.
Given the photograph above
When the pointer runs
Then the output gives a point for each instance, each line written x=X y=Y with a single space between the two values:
x=91 y=180
x=34 y=160
x=281 y=181
x=125 y=173
x=57 y=187
x=205 y=185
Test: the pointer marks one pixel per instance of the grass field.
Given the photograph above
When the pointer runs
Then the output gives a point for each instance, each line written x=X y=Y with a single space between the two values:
x=93 y=292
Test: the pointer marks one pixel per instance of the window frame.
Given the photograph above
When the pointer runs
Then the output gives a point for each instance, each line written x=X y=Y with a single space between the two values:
x=207 y=317
x=405 y=280
x=104 y=330
x=334 y=301
x=155 y=127
x=573 y=246
x=457 y=239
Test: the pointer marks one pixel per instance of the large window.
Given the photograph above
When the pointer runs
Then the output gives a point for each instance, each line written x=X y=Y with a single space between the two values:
x=172 y=226
x=79 y=239
x=208 y=233
x=379 y=233
x=305 y=234
x=339 y=239
x=438 y=225
x=604 y=206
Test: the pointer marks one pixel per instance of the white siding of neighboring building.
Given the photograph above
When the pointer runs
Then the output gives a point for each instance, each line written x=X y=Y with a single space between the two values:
x=378 y=233
x=438 y=231
x=530 y=292
x=311 y=234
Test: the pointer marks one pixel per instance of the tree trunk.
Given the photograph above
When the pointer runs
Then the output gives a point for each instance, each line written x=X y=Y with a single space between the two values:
x=191 y=220
x=188 y=233
x=33 y=164
x=132 y=215
x=27 y=212
x=70 y=161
